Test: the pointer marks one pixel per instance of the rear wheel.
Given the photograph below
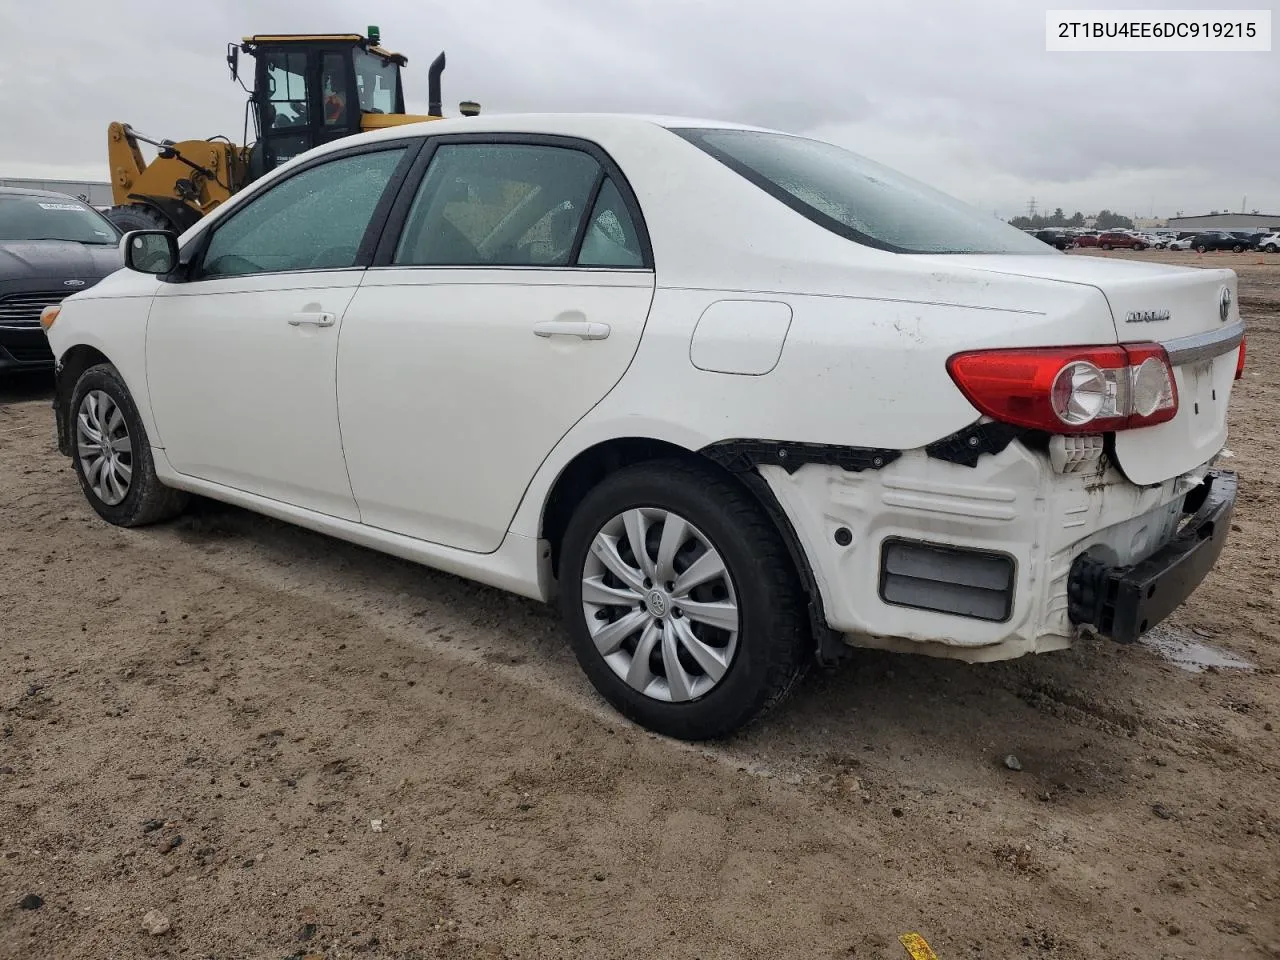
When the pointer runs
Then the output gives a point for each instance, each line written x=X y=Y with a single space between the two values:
x=681 y=601
x=136 y=216
x=1105 y=246
x=1201 y=249
x=1271 y=248
x=1238 y=248
x=112 y=456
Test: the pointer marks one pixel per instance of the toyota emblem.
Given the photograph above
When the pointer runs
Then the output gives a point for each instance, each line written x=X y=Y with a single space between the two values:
x=1224 y=305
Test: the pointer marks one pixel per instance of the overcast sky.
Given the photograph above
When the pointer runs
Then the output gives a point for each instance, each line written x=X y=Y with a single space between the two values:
x=960 y=93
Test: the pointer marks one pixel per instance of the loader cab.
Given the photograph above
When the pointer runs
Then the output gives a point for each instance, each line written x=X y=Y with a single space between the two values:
x=309 y=90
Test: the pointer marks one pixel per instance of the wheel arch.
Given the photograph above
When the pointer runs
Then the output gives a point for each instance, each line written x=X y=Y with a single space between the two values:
x=71 y=365
x=594 y=463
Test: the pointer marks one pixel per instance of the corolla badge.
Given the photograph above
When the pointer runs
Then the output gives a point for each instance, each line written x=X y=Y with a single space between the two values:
x=1224 y=304
x=73 y=283
x=1146 y=316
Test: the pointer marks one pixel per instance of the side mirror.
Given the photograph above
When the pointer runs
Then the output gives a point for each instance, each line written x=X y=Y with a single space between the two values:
x=233 y=60
x=150 y=251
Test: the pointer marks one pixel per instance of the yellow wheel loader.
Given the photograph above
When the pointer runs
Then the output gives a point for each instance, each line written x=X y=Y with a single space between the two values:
x=307 y=90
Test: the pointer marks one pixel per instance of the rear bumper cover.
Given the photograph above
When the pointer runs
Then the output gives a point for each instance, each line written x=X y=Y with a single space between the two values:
x=1123 y=603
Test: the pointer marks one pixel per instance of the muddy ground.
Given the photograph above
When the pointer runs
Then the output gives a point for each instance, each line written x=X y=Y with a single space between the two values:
x=205 y=719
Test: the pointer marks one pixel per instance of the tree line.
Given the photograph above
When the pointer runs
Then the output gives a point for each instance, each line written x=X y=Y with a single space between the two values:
x=1107 y=220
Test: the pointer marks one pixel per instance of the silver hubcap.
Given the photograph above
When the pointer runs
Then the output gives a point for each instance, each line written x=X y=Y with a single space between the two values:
x=102 y=442
x=660 y=605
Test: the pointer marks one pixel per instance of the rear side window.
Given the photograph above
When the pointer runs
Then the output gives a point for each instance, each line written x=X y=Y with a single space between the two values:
x=498 y=205
x=611 y=239
x=858 y=198
x=314 y=220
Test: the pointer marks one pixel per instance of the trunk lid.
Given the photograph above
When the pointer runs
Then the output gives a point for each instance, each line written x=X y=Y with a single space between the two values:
x=1181 y=308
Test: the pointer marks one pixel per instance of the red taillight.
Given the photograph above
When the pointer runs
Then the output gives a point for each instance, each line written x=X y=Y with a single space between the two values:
x=1070 y=389
x=1240 y=360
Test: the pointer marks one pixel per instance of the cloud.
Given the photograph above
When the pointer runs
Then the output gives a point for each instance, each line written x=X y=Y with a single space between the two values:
x=960 y=93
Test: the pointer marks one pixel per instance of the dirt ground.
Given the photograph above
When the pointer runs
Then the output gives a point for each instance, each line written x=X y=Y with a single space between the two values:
x=206 y=720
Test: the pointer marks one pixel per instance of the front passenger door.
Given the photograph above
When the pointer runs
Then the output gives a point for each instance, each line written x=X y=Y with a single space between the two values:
x=241 y=357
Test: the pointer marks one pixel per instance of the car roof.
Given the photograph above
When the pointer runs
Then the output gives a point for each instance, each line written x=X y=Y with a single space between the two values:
x=569 y=124
x=24 y=192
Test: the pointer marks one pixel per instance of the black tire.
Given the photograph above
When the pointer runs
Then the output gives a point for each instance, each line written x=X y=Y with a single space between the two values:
x=1271 y=248
x=135 y=216
x=1201 y=249
x=1105 y=246
x=1139 y=246
x=1238 y=248
x=147 y=500
x=775 y=643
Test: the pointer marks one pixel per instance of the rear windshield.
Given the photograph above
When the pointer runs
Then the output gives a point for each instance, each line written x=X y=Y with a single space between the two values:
x=53 y=218
x=860 y=199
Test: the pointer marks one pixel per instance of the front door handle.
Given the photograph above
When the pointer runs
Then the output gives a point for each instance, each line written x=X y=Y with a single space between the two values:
x=318 y=318
x=581 y=329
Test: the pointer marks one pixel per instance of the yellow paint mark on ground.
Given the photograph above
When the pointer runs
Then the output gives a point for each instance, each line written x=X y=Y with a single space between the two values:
x=917 y=947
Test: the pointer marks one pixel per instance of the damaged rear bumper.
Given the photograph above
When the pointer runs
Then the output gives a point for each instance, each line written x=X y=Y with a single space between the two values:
x=1125 y=602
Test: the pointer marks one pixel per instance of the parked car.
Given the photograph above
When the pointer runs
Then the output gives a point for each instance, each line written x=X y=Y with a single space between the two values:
x=1218 y=240
x=1086 y=240
x=1118 y=238
x=609 y=361
x=1250 y=237
x=50 y=246
x=1182 y=243
x=1054 y=238
x=1269 y=242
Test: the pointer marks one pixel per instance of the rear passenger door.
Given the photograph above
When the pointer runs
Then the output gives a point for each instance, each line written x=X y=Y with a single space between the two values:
x=507 y=298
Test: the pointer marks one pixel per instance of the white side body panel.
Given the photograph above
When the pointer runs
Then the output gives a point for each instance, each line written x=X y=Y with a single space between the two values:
x=244 y=394
x=450 y=398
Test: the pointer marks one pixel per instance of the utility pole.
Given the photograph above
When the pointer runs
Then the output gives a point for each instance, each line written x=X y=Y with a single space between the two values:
x=1031 y=207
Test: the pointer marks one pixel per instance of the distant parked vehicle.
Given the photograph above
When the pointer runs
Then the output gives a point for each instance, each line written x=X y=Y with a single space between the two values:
x=1054 y=238
x=1117 y=238
x=1270 y=242
x=1087 y=240
x=1218 y=240
x=1182 y=243
x=1250 y=237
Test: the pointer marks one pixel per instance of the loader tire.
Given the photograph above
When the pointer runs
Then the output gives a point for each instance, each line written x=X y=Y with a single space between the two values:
x=136 y=216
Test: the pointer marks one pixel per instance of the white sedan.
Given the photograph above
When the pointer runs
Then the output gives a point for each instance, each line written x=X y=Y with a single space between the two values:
x=737 y=400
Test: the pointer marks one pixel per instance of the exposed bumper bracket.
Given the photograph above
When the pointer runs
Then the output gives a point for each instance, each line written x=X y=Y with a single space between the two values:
x=1123 y=603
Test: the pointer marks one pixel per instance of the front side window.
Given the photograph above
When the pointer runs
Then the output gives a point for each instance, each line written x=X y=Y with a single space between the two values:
x=378 y=81
x=314 y=220
x=858 y=198
x=35 y=217
x=498 y=205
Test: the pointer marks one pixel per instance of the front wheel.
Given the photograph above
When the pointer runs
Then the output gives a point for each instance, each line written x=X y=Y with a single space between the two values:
x=1271 y=248
x=1106 y=246
x=112 y=456
x=681 y=601
x=1238 y=248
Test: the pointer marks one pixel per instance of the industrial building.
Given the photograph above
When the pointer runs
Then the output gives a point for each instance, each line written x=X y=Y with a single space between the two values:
x=93 y=192
x=1227 y=221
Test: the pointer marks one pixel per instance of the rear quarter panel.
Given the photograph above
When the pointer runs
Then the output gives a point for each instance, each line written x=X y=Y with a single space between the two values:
x=853 y=371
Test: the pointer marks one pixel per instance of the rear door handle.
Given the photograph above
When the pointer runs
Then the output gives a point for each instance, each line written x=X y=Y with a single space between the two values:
x=581 y=329
x=319 y=319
